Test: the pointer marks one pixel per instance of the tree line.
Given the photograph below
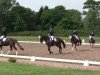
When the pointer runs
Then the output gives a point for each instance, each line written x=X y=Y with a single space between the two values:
x=15 y=17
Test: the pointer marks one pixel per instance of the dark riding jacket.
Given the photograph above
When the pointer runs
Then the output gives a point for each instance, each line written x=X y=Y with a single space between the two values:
x=4 y=33
x=74 y=33
x=51 y=32
x=92 y=34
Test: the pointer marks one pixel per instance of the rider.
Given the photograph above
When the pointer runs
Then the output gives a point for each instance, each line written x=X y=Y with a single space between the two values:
x=3 y=34
x=91 y=35
x=51 y=34
x=75 y=34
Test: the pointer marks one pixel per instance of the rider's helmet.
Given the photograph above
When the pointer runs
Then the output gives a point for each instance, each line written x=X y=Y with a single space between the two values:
x=75 y=32
x=92 y=32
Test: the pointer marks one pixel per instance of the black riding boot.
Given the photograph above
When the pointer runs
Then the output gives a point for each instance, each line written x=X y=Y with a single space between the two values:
x=52 y=42
x=0 y=41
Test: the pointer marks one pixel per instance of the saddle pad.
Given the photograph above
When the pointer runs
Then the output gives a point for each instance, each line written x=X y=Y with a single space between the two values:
x=55 y=39
x=4 y=39
x=52 y=38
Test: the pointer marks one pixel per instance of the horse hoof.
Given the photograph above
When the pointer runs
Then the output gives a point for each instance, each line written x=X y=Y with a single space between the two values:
x=60 y=52
x=50 y=52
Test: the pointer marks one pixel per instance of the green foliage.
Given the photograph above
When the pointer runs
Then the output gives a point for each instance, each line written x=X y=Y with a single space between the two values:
x=6 y=5
x=92 y=19
x=57 y=32
x=28 y=33
x=24 y=19
x=52 y=16
x=13 y=60
x=72 y=20
x=17 y=18
x=91 y=4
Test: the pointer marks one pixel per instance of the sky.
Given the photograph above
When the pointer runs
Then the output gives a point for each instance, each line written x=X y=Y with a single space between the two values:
x=68 y=4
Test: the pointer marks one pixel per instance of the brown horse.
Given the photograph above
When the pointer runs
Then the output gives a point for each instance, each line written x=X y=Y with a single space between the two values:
x=57 y=43
x=10 y=42
x=75 y=42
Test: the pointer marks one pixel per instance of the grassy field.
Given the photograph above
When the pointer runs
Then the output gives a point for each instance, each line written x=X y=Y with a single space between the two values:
x=35 y=38
x=7 y=68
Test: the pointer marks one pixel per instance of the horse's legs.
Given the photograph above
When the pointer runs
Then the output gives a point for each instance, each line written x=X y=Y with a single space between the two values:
x=75 y=46
x=1 y=50
x=16 y=52
x=92 y=44
x=9 y=50
x=49 y=50
x=72 y=46
x=60 y=49
x=15 y=49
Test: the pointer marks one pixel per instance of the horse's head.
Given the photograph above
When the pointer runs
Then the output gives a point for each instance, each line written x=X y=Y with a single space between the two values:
x=40 y=38
x=43 y=38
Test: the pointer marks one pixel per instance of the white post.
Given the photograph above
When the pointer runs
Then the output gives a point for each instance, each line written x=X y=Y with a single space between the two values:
x=33 y=58
x=86 y=63
x=83 y=41
x=64 y=41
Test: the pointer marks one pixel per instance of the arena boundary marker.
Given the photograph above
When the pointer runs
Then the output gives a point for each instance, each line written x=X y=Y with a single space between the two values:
x=33 y=58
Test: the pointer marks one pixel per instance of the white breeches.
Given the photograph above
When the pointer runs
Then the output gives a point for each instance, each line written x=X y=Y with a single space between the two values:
x=2 y=37
x=90 y=37
x=52 y=38
x=76 y=37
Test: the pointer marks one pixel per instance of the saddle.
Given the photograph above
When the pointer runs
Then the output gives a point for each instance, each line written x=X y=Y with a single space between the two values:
x=2 y=40
x=52 y=39
x=92 y=40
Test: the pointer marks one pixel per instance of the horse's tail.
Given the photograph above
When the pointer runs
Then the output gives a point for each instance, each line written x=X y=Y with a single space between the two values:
x=64 y=45
x=19 y=45
x=80 y=41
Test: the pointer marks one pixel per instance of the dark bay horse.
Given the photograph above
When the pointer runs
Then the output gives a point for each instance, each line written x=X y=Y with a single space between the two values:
x=75 y=41
x=57 y=43
x=92 y=41
x=10 y=42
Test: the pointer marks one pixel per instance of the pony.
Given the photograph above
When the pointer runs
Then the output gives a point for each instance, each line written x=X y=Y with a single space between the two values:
x=59 y=42
x=75 y=41
x=10 y=42
x=92 y=41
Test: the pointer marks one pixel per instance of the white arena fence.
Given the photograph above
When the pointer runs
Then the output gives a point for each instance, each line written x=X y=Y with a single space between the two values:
x=33 y=58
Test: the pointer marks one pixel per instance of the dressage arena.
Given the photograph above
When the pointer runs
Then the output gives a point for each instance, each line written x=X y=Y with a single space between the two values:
x=85 y=52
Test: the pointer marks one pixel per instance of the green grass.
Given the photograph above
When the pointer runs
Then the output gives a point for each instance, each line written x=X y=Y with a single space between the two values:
x=35 y=38
x=7 y=68
x=25 y=38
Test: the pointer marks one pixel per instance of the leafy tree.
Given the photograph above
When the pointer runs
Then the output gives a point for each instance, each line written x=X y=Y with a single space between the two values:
x=37 y=17
x=51 y=17
x=6 y=5
x=91 y=4
x=92 y=19
x=72 y=20
x=20 y=24
x=26 y=14
x=46 y=8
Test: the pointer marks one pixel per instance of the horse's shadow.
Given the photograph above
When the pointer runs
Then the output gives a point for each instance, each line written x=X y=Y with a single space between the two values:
x=96 y=47
x=83 y=50
x=63 y=53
